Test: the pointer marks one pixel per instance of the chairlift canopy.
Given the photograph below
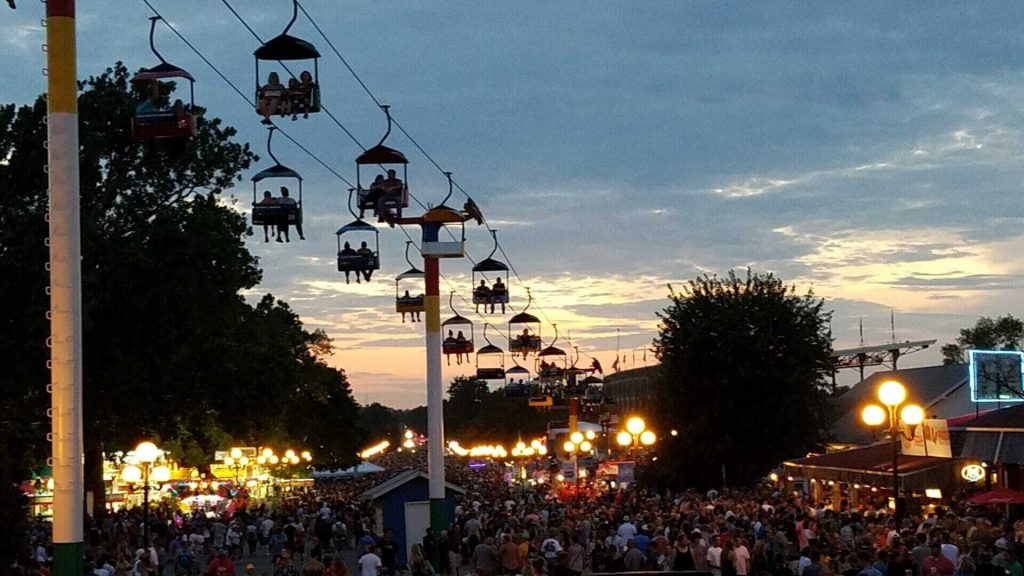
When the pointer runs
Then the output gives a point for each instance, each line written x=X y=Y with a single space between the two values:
x=410 y=273
x=277 y=171
x=161 y=71
x=381 y=154
x=358 y=226
x=286 y=47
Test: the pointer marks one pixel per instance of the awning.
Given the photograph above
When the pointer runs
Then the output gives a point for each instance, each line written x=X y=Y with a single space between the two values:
x=873 y=465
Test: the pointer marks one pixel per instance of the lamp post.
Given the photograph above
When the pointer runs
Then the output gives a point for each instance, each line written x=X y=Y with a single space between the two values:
x=237 y=460
x=903 y=420
x=635 y=435
x=145 y=455
x=578 y=443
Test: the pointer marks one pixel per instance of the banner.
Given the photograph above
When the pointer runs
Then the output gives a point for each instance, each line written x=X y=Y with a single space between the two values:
x=931 y=438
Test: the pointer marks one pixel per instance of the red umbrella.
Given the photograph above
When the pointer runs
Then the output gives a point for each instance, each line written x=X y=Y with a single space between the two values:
x=998 y=495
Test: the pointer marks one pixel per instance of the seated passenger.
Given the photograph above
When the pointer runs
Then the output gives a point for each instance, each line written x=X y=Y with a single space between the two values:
x=481 y=295
x=150 y=105
x=460 y=339
x=268 y=200
x=367 y=262
x=293 y=97
x=271 y=98
x=524 y=341
x=390 y=190
x=392 y=185
x=347 y=252
x=449 y=344
x=290 y=203
x=301 y=94
x=373 y=194
x=408 y=300
x=498 y=295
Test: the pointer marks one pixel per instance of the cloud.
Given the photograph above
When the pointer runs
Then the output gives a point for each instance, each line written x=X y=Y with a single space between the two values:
x=873 y=155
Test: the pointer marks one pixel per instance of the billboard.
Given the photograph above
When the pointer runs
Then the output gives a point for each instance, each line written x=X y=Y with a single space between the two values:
x=996 y=376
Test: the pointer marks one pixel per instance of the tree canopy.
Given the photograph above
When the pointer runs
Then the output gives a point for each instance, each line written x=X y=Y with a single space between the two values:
x=473 y=413
x=1003 y=333
x=172 y=349
x=743 y=359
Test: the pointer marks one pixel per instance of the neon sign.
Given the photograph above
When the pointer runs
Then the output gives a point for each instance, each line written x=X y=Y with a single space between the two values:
x=996 y=376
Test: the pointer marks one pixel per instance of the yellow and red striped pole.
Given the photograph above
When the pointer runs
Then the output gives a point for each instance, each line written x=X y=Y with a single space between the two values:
x=65 y=288
x=435 y=386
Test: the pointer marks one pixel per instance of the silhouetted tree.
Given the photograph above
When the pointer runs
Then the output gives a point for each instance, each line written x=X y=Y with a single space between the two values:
x=743 y=359
x=1003 y=333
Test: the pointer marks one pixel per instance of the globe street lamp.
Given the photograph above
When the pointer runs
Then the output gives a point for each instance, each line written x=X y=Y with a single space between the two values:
x=635 y=435
x=145 y=455
x=237 y=460
x=578 y=443
x=903 y=418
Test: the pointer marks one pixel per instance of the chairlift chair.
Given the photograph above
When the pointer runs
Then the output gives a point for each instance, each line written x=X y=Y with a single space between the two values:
x=158 y=121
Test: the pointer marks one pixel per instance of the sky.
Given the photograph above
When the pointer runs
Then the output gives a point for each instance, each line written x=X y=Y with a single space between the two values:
x=869 y=151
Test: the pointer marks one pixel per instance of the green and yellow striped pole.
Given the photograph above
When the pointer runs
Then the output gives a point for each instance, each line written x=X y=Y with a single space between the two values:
x=65 y=288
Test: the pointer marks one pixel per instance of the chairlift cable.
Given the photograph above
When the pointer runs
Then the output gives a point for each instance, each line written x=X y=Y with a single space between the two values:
x=315 y=157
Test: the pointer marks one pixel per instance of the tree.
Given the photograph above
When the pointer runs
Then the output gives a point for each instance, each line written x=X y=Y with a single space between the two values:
x=172 y=350
x=1003 y=333
x=743 y=360
x=472 y=412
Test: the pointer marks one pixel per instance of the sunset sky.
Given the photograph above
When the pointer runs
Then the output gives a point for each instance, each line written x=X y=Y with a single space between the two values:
x=871 y=151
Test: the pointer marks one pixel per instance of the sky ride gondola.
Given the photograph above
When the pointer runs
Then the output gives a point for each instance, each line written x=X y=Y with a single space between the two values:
x=519 y=383
x=490 y=361
x=363 y=260
x=154 y=119
x=406 y=303
x=497 y=293
x=456 y=342
x=552 y=362
x=524 y=331
x=444 y=216
x=385 y=194
x=302 y=94
x=278 y=211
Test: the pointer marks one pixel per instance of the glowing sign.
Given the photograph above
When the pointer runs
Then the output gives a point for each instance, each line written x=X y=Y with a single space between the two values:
x=972 y=472
x=996 y=376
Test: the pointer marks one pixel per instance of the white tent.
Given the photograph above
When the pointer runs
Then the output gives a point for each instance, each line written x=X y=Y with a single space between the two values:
x=362 y=468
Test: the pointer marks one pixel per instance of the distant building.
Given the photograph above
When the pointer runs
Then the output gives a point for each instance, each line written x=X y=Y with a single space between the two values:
x=632 y=390
x=986 y=441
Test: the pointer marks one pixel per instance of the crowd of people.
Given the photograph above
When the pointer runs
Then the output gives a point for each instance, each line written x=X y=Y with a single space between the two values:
x=539 y=530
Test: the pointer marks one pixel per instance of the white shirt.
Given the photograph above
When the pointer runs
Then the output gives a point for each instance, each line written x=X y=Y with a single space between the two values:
x=951 y=551
x=715 y=556
x=742 y=556
x=369 y=564
x=265 y=527
x=550 y=547
x=626 y=531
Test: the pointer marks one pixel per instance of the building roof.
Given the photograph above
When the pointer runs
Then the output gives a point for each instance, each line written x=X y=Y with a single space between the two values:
x=400 y=480
x=876 y=459
x=925 y=386
x=1009 y=418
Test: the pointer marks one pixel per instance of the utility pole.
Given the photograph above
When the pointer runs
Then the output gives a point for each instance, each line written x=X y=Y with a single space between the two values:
x=65 y=288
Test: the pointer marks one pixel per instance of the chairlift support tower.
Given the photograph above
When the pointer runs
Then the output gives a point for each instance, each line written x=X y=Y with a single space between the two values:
x=431 y=223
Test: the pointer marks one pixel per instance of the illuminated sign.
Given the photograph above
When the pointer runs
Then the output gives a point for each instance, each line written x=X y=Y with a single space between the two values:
x=972 y=472
x=996 y=376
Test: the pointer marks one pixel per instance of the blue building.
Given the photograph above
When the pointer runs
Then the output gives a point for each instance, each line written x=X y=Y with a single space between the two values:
x=402 y=504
